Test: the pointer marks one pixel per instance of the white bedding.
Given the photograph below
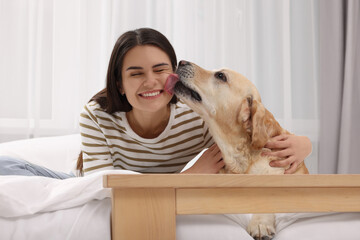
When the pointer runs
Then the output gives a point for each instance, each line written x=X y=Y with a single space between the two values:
x=79 y=208
x=87 y=221
x=21 y=196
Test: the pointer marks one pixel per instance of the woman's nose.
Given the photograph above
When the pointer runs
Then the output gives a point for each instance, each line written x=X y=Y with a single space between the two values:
x=150 y=80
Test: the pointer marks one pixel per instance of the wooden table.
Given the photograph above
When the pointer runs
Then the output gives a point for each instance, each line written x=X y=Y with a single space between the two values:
x=144 y=206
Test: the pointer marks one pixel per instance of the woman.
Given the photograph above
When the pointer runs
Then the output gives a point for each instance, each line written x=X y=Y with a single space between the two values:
x=134 y=124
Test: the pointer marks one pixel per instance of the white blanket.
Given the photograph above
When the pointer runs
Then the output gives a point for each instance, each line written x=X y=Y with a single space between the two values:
x=24 y=195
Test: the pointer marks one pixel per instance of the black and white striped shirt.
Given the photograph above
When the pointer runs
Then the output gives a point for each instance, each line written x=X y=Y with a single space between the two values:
x=108 y=142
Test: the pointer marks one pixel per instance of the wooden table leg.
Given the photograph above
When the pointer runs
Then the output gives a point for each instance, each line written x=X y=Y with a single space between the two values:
x=143 y=214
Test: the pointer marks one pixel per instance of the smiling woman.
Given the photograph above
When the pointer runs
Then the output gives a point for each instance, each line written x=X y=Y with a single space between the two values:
x=134 y=123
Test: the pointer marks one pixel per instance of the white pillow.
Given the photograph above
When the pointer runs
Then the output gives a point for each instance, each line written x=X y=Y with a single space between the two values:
x=57 y=153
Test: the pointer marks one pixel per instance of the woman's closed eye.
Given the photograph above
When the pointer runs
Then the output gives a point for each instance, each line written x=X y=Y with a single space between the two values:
x=134 y=74
x=161 y=70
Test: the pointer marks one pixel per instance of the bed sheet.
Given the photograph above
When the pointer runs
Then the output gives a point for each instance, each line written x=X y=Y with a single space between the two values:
x=79 y=208
x=314 y=226
x=87 y=221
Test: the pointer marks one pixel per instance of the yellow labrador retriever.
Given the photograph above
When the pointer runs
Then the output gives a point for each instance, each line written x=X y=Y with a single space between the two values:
x=238 y=122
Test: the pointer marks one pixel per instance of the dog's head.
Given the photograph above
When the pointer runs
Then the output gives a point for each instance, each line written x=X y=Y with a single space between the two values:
x=227 y=99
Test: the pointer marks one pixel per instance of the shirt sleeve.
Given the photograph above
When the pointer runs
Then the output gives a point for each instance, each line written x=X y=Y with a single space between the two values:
x=95 y=150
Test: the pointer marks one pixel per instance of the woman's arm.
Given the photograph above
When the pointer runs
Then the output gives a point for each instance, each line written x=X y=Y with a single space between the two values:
x=210 y=162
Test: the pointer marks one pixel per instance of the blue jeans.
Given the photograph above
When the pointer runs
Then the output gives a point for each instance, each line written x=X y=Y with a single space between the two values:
x=15 y=166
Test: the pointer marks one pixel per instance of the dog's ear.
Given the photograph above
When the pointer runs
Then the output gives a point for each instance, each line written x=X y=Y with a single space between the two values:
x=244 y=116
x=263 y=125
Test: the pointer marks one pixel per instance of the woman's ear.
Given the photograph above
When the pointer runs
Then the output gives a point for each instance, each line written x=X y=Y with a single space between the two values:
x=121 y=90
x=264 y=125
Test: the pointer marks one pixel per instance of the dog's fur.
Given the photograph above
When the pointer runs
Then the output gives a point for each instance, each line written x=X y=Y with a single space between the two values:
x=239 y=123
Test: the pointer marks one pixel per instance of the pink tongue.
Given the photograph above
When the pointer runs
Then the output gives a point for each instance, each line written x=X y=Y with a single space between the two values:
x=170 y=83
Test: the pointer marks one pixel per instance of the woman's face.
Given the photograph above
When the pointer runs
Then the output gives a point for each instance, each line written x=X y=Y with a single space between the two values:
x=144 y=73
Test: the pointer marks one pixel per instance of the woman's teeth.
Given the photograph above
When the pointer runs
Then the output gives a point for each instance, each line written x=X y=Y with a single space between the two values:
x=152 y=94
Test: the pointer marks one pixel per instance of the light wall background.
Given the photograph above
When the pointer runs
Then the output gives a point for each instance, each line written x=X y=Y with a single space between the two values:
x=54 y=55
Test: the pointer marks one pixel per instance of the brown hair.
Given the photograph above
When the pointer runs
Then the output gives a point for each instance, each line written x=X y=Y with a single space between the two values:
x=110 y=98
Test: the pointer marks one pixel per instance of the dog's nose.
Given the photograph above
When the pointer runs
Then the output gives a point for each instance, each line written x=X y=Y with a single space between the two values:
x=183 y=63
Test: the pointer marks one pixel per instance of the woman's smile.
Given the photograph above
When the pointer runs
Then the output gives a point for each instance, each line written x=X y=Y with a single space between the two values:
x=151 y=94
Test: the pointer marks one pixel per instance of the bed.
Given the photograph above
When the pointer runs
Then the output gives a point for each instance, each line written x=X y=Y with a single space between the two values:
x=82 y=208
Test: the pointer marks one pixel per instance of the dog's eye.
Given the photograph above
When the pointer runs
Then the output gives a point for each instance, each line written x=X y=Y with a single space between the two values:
x=221 y=76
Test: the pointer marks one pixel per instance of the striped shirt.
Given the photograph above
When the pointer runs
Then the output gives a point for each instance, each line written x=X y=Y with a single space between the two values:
x=108 y=142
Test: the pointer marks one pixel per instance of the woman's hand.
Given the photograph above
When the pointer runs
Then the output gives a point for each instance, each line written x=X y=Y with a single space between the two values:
x=293 y=149
x=210 y=162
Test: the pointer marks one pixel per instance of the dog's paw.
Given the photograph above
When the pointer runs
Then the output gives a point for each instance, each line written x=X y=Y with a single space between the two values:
x=262 y=227
x=261 y=232
x=263 y=238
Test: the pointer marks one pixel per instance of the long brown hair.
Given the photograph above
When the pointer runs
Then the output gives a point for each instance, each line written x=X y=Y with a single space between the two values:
x=110 y=98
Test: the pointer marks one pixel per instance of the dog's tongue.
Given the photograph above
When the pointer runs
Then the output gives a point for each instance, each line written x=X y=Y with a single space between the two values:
x=170 y=83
